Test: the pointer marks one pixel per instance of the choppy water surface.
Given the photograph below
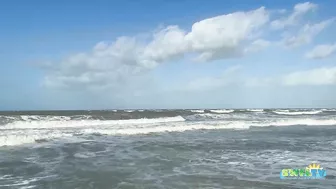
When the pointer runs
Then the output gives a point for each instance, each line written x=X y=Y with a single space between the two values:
x=165 y=149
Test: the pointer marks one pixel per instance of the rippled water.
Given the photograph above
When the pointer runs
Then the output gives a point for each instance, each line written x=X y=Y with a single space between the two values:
x=127 y=149
x=250 y=158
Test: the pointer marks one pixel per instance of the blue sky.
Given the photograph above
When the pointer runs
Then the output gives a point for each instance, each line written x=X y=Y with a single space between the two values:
x=167 y=54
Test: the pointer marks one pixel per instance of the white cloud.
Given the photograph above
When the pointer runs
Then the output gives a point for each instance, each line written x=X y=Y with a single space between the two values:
x=306 y=34
x=321 y=51
x=318 y=76
x=313 y=77
x=115 y=64
x=225 y=33
x=299 y=10
x=232 y=76
x=257 y=45
x=120 y=65
x=166 y=44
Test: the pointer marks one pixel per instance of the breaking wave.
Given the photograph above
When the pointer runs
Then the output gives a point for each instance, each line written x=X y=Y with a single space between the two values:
x=25 y=132
x=197 y=111
x=65 y=123
x=287 y=112
x=222 y=111
x=255 y=110
x=17 y=128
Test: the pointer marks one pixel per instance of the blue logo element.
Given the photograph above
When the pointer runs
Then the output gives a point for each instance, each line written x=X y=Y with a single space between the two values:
x=313 y=171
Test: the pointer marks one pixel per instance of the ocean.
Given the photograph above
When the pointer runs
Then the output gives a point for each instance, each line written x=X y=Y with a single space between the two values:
x=165 y=149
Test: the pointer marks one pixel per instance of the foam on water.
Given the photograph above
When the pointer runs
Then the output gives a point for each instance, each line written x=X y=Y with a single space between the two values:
x=29 y=132
x=308 y=122
x=13 y=138
x=216 y=116
x=329 y=110
x=287 y=112
x=45 y=124
x=85 y=155
x=222 y=111
x=197 y=111
x=48 y=118
x=255 y=110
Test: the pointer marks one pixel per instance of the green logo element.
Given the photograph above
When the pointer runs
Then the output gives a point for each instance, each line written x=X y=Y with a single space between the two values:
x=313 y=171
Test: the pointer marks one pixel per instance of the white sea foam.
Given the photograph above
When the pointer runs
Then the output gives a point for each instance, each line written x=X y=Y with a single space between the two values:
x=5 y=177
x=7 y=117
x=197 y=111
x=309 y=122
x=222 y=116
x=255 y=110
x=84 y=155
x=19 y=133
x=208 y=116
x=49 y=118
x=329 y=110
x=83 y=123
x=29 y=118
x=286 y=112
x=18 y=137
x=222 y=111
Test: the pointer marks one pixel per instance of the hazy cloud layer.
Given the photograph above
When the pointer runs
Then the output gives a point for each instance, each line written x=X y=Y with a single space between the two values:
x=232 y=76
x=293 y=19
x=306 y=34
x=321 y=51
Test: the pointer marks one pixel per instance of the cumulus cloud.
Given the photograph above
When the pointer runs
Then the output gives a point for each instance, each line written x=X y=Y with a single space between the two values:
x=114 y=64
x=123 y=63
x=106 y=63
x=321 y=51
x=293 y=19
x=306 y=34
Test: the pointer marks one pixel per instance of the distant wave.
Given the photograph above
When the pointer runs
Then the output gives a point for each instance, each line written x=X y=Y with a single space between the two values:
x=46 y=124
x=287 y=112
x=329 y=110
x=22 y=132
x=217 y=116
x=222 y=111
x=49 y=118
x=225 y=111
x=197 y=111
x=255 y=110
x=17 y=129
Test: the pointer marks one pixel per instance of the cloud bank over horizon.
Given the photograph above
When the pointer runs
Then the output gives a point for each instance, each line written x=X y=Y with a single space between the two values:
x=123 y=67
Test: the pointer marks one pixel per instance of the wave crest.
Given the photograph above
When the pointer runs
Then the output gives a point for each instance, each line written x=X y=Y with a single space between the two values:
x=287 y=112
x=23 y=134
x=222 y=111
